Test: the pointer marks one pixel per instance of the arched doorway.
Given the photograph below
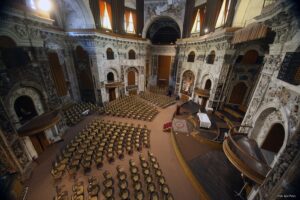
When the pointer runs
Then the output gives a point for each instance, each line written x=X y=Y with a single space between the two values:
x=207 y=84
x=25 y=109
x=273 y=142
x=132 y=81
x=238 y=93
x=274 y=139
x=207 y=87
x=110 y=77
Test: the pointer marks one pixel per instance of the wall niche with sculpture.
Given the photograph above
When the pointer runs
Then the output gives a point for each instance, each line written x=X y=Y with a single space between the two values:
x=187 y=83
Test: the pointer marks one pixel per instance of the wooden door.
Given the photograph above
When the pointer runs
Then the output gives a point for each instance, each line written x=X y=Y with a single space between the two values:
x=131 y=78
x=36 y=143
x=238 y=93
x=112 y=94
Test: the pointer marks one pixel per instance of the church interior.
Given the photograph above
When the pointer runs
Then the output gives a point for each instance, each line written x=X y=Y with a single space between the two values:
x=149 y=99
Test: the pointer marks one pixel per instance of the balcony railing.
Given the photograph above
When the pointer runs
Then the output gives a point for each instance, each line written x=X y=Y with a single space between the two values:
x=246 y=156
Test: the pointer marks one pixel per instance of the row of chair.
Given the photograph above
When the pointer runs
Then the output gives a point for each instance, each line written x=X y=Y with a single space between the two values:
x=158 y=90
x=131 y=107
x=73 y=114
x=98 y=141
x=143 y=181
x=158 y=99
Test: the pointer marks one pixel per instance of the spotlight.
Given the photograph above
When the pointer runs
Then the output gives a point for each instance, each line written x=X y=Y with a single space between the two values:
x=44 y=5
x=206 y=30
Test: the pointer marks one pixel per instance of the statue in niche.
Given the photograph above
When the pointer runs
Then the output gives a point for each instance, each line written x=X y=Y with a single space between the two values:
x=187 y=82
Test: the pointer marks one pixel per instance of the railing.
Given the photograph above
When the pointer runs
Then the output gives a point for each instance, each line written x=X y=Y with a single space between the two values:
x=254 y=167
x=202 y=92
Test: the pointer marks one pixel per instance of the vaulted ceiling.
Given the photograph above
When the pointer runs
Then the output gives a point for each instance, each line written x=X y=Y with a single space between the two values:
x=163 y=31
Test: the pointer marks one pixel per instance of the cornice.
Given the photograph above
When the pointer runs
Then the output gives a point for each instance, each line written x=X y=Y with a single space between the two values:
x=223 y=35
x=91 y=34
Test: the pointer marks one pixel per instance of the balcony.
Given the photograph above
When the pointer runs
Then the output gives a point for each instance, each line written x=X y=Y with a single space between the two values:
x=246 y=156
x=202 y=92
x=114 y=84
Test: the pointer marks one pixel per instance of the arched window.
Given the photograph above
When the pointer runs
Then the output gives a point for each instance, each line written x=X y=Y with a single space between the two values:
x=105 y=14
x=223 y=14
x=110 y=77
x=131 y=54
x=191 y=56
x=110 y=54
x=250 y=57
x=197 y=23
x=42 y=5
x=211 y=57
x=129 y=21
x=208 y=85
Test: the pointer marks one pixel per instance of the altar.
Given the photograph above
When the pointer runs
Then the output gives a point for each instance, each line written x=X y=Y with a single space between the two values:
x=204 y=120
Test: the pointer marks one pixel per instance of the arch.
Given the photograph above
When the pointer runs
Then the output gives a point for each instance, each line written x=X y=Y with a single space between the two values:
x=163 y=30
x=191 y=57
x=238 y=93
x=10 y=33
x=24 y=108
x=110 y=54
x=255 y=47
x=208 y=84
x=149 y=22
x=211 y=57
x=114 y=71
x=187 y=83
x=204 y=79
x=110 y=77
x=131 y=54
x=250 y=57
x=275 y=138
x=7 y=42
x=30 y=92
x=264 y=119
x=132 y=80
x=240 y=53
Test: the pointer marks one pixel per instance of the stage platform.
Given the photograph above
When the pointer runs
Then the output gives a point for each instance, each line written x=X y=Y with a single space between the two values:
x=216 y=176
x=202 y=157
